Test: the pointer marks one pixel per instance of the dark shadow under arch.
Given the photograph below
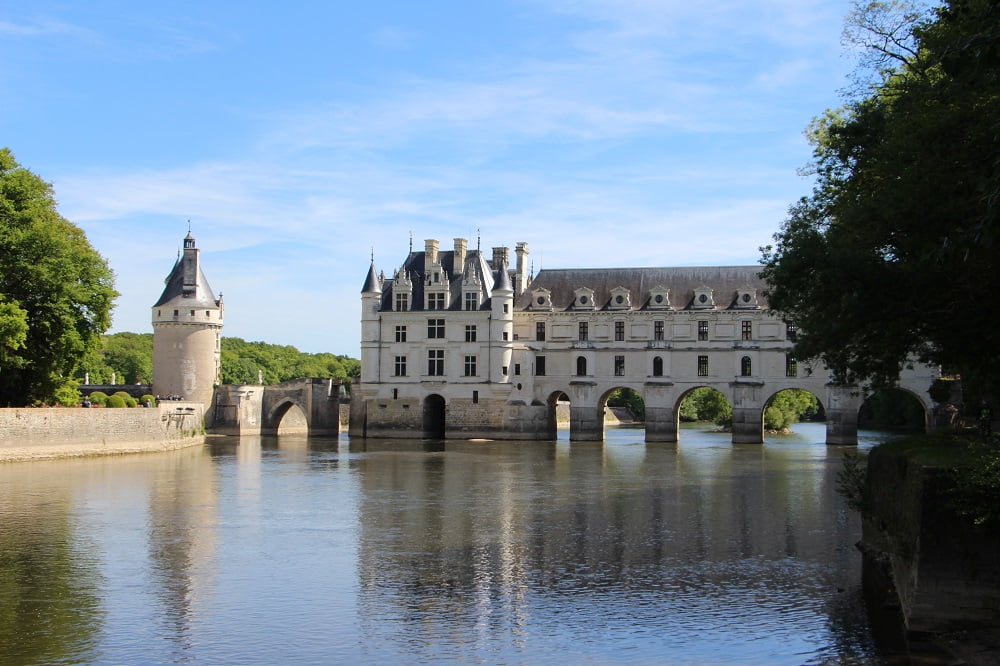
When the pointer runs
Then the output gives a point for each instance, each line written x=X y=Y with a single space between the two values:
x=434 y=417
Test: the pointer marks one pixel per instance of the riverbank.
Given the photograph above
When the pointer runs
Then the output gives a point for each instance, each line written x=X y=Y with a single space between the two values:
x=60 y=432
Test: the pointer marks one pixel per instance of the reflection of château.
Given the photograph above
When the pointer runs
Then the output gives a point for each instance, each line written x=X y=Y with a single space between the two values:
x=457 y=344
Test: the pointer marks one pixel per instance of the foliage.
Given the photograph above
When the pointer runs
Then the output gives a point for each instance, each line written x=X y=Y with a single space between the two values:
x=892 y=408
x=147 y=398
x=98 y=398
x=128 y=357
x=941 y=390
x=707 y=404
x=67 y=395
x=977 y=488
x=127 y=398
x=241 y=361
x=628 y=398
x=788 y=407
x=893 y=254
x=51 y=273
x=115 y=401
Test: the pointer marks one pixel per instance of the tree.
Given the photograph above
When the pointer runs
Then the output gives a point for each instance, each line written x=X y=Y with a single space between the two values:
x=51 y=273
x=788 y=407
x=892 y=257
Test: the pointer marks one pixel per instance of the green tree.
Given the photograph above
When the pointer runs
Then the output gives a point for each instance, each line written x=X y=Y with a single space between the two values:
x=788 y=407
x=707 y=404
x=893 y=255
x=51 y=273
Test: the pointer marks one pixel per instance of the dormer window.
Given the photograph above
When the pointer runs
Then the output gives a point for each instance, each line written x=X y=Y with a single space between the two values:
x=584 y=299
x=659 y=298
x=541 y=299
x=620 y=299
x=746 y=299
x=703 y=299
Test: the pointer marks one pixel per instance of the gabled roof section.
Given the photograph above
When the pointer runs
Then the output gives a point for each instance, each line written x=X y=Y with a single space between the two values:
x=414 y=267
x=682 y=282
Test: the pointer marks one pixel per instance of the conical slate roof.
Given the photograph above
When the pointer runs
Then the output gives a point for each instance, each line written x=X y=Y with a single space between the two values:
x=372 y=285
x=175 y=293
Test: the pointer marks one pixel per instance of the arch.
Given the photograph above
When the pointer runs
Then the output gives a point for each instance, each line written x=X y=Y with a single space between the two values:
x=287 y=417
x=581 y=366
x=434 y=421
x=711 y=411
x=556 y=400
x=894 y=408
x=634 y=402
x=657 y=366
x=793 y=409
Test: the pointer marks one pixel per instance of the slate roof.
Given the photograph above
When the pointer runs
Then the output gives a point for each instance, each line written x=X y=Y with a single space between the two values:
x=724 y=281
x=174 y=293
x=475 y=260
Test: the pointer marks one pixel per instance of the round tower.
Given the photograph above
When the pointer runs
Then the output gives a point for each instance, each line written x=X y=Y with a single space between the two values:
x=371 y=343
x=502 y=321
x=187 y=332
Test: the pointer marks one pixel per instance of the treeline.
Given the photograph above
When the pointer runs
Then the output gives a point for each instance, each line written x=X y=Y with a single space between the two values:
x=128 y=359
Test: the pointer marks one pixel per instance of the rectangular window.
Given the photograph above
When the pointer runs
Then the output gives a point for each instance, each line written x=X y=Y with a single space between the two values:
x=475 y=397
x=472 y=301
x=470 y=366
x=619 y=366
x=540 y=366
x=506 y=308
x=619 y=331
x=400 y=367
x=791 y=332
x=703 y=330
x=540 y=330
x=703 y=366
x=505 y=335
x=747 y=330
x=584 y=331
x=400 y=334
x=470 y=332
x=791 y=367
x=657 y=330
x=435 y=328
x=435 y=362
x=517 y=368
x=402 y=302
x=435 y=301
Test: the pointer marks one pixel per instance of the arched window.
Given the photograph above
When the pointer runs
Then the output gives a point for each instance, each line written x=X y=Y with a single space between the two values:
x=746 y=366
x=581 y=366
x=657 y=366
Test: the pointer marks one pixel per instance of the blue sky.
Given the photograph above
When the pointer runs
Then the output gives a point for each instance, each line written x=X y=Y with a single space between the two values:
x=300 y=137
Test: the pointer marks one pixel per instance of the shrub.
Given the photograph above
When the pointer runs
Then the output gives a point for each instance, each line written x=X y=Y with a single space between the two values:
x=131 y=402
x=115 y=401
x=67 y=395
x=99 y=398
x=148 y=399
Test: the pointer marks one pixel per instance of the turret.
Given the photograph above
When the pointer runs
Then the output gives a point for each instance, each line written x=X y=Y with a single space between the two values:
x=502 y=321
x=187 y=331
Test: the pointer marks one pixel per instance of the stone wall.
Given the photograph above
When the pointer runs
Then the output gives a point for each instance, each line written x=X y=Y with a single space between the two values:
x=65 y=432
x=945 y=572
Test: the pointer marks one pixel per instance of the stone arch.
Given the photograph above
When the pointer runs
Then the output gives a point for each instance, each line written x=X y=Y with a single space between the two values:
x=772 y=394
x=434 y=417
x=687 y=391
x=921 y=421
x=286 y=407
x=553 y=416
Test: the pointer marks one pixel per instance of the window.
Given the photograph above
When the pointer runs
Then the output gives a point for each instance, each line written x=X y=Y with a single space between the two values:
x=657 y=366
x=470 y=366
x=471 y=301
x=435 y=328
x=176 y=312
x=619 y=331
x=435 y=301
x=400 y=367
x=506 y=308
x=791 y=367
x=540 y=330
x=581 y=366
x=517 y=368
x=470 y=332
x=703 y=366
x=657 y=330
x=747 y=330
x=435 y=362
x=619 y=366
x=475 y=397
x=703 y=330
x=540 y=366
x=505 y=335
x=402 y=302
x=584 y=331
x=746 y=366
x=400 y=334
x=791 y=332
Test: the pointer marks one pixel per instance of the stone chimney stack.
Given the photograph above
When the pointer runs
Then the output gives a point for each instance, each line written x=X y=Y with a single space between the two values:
x=521 y=276
x=500 y=257
x=430 y=256
x=461 y=245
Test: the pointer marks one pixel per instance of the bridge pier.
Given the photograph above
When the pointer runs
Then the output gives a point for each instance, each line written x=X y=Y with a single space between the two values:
x=843 y=405
x=661 y=412
x=748 y=411
x=586 y=415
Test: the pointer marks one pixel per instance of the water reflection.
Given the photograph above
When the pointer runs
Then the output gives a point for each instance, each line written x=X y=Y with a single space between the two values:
x=291 y=548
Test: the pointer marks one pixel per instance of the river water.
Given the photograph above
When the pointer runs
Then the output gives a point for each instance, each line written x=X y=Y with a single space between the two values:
x=319 y=550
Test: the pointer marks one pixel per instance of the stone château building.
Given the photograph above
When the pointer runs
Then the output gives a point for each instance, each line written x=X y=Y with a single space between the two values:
x=187 y=331
x=458 y=344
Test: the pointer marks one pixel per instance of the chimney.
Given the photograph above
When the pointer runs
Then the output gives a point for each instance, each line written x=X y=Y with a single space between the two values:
x=521 y=277
x=500 y=257
x=461 y=245
x=430 y=256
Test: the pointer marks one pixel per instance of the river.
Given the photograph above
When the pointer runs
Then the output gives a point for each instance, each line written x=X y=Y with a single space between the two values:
x=318 y=550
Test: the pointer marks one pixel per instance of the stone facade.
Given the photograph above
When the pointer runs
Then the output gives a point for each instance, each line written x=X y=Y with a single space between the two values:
x=187 y=331
x=457 y=344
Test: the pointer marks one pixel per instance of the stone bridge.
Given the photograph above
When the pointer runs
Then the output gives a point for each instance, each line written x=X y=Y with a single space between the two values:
x=308 y=405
